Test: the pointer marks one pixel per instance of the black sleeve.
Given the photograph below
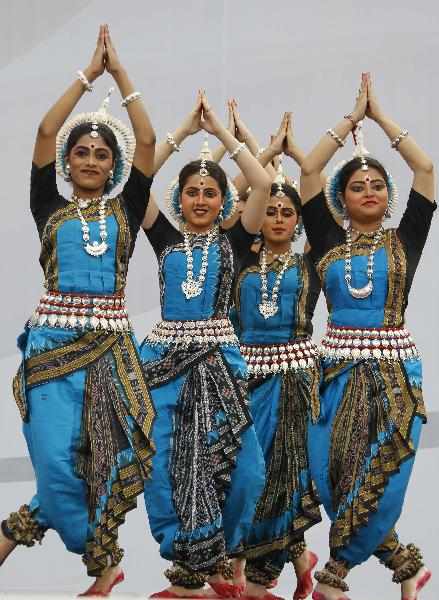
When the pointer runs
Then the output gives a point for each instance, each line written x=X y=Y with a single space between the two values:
x=240 y=239
x=162 y=234
x=322 y=230
x=135 y=195
x=415 y=223
x=44 y=196
x=314 y=287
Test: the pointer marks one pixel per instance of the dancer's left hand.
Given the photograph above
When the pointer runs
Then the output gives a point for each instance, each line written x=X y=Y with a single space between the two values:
x=112 y=63
x=373 y=110
x=209 y=121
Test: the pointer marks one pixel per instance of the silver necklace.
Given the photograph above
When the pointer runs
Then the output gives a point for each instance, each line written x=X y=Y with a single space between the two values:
x=367 y=289
x=95 y=248
x=269 y=307
x=193 y=287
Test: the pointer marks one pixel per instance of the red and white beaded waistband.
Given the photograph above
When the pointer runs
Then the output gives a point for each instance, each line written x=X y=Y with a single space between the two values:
x=274 y=358
x=345 y=343
x=209 y=331
x=81 y=311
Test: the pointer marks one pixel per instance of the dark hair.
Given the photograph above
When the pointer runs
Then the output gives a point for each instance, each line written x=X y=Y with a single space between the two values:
x=86 y=128
x=292 y=194
x=353 y=165
x=214 y=170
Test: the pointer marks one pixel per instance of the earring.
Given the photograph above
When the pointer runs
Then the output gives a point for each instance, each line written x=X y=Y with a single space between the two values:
x=67 y=176
x=296 y=233
x=220 y=217
x=110 y=176
x=258 y=238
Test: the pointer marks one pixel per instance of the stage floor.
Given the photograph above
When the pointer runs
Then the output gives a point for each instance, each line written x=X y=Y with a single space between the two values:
x=49 y=571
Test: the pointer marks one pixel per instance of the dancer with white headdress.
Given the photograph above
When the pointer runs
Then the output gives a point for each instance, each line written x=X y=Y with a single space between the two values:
x=275 y=298
x=363 y=446
x=208 y=470
x=81 y=389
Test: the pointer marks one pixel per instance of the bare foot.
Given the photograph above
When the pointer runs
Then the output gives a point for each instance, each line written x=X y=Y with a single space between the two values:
x=303 y=563
x=255 y=590
x=239 y=578
x=329 y=592
x=6 y=547
x=182 y=592
x=225 y=588
x=410 y=587
x=104 y=584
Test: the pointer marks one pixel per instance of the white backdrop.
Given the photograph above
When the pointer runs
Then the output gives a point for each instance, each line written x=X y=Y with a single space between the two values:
x=304 y=57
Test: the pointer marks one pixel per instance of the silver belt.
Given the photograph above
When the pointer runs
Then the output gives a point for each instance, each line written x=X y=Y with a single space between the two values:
x=209 y=331
x=81 y=311
x=344 y=343
x=274 y=358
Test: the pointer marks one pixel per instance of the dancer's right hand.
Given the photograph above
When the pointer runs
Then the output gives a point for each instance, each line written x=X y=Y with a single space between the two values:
x=192 y=123
x=278 y=141
x=360 y=107
x=97 y=63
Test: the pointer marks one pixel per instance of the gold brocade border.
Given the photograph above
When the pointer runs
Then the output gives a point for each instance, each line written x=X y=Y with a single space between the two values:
x=48 y=255
x=397 y=270
x=275 y=266
x=298 y=526
x=397 y=448
x=44 y=370
x=144 y=420
x=302 y=298
x=123 y=242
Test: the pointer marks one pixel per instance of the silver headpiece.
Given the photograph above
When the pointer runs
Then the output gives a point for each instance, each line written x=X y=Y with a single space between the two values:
x=173 y=194
x=125 y=140
x=334 y=197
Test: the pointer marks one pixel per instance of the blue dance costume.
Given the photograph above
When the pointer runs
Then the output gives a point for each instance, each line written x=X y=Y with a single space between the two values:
x=208 y=470
x=81 y=389
x=284 y=390
x=363 y=447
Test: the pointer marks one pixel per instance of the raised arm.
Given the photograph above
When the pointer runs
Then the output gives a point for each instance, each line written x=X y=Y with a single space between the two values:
x=266 y=156
x=418 y=161
x=143 y=131
x=44 y=149
x=218 y=153
x=190 y=125
x=318 y=158
x=260 y=182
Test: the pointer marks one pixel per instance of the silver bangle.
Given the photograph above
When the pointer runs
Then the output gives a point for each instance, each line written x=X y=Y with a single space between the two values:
x=259 y=152
x=171 y=141
x=130 y=98
x=85 y=82
x=335 y=137
x=237 y=150
x=395 y=143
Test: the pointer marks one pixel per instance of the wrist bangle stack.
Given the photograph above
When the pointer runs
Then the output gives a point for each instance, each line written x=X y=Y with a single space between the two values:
x=237 y=150
x=85 y=82
x=350 y=118
x=395 y=143
x=335 y=137
x=130 y=98
x=171 y=141
x=259 y=152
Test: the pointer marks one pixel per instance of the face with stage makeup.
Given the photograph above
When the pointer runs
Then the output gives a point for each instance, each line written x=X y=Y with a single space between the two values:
x=91 y=159
x=202 y=193
x=280 y=221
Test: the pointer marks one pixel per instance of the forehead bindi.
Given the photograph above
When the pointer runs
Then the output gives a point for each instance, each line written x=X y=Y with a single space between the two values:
x=372 y=175
x=98 y=143
x=199 y=182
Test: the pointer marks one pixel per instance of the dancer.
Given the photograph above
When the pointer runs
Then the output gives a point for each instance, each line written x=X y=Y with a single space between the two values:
x=81 y=389
x=275 y=297
x=363 y=447
x=208 y=470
